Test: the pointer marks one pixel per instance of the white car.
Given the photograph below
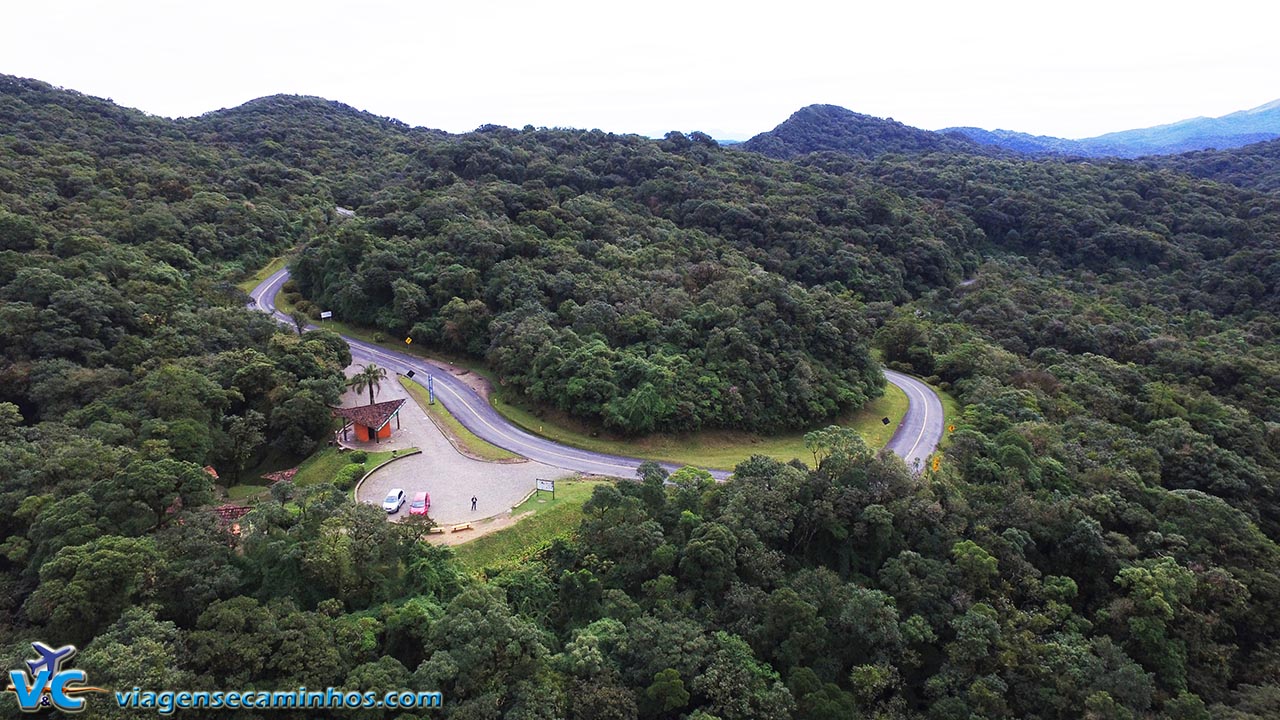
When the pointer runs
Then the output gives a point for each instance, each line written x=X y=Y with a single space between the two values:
x=393 y=501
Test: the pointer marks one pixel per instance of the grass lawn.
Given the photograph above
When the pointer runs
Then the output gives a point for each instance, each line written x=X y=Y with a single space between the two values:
x=322 y=466
x=470 y=444
x=325 y=464
x=711 y=448
x=252 y=281
x=551 y=519
x=246 y=492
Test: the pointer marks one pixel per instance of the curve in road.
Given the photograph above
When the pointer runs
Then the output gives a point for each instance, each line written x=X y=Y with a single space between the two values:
x=920 y=431
x=916 y=438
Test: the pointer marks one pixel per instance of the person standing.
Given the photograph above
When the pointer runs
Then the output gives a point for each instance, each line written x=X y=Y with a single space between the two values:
x=473 y=503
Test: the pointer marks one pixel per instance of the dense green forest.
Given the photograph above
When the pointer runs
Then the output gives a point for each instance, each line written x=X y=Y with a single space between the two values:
x=1100 y=541
x=653 y=285
x=1254 y=166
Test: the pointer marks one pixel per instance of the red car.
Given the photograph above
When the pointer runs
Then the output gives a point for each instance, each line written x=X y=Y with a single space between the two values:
x=420 y=504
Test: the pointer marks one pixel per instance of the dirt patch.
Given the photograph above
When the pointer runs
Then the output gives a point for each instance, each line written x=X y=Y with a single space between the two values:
x=480 y=528
x=477 y=383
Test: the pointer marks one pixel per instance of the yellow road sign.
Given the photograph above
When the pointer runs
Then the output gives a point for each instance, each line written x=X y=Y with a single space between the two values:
x=951 y=428
x=408 y=341
x=937 y=463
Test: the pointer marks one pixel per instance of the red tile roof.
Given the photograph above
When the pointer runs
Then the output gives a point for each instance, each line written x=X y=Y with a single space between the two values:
x=279 y=475
x=229 y=518
x=371 y=416
x=229 y=512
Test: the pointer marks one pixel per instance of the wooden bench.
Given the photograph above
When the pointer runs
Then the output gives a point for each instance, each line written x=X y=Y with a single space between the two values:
x=460 y=528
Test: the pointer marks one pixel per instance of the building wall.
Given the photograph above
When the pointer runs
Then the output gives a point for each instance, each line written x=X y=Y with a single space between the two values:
x=364 y=434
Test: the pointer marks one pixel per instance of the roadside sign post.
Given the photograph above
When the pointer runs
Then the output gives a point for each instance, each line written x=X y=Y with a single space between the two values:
x=326 y=315
x=546 y=486
x=431 y=390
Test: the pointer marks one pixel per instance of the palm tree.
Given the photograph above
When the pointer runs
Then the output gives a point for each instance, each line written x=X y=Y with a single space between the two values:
x=369 y=376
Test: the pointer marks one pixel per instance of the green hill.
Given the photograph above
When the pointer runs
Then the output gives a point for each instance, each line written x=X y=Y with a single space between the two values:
x=829 y=128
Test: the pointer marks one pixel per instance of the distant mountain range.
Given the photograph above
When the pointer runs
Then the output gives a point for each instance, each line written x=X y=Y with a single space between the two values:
x=1202 y=133
x=818 y=128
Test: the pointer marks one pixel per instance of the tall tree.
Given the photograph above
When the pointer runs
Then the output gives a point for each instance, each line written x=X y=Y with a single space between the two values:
x=299 y=319
x=85 y=588
x=244 y=437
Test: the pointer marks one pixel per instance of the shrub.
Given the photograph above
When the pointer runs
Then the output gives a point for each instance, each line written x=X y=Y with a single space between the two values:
x=348 y=475
x=357 y=457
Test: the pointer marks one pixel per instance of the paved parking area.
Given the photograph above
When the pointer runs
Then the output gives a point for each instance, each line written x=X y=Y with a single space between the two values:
x=451 y=478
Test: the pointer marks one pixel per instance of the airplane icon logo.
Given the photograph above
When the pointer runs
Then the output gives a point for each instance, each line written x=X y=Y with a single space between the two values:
x=49 y=658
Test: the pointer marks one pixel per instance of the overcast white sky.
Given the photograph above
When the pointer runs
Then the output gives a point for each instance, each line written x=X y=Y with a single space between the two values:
x=729 y=69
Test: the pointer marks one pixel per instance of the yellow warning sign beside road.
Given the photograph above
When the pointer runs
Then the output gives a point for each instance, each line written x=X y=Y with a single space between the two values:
x=937 y=463
x=408 y=341
x=951 y=428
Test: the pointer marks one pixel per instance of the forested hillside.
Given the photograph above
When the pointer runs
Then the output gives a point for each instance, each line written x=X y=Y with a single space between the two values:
x=1256 y=166
x=1020 y=142
x=1099 y=541
x=820 y=128
x=116 y=235
x=665 y=285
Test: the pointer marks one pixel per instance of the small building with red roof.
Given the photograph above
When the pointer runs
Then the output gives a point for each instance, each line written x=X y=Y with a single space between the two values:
x=370 y=422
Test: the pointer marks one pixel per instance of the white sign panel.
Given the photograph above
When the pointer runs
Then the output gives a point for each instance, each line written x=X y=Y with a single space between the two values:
x=326 y=314
x=548 y=485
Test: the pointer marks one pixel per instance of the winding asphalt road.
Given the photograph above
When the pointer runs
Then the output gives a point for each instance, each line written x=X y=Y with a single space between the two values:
x=915 y=439
x=920 y=431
